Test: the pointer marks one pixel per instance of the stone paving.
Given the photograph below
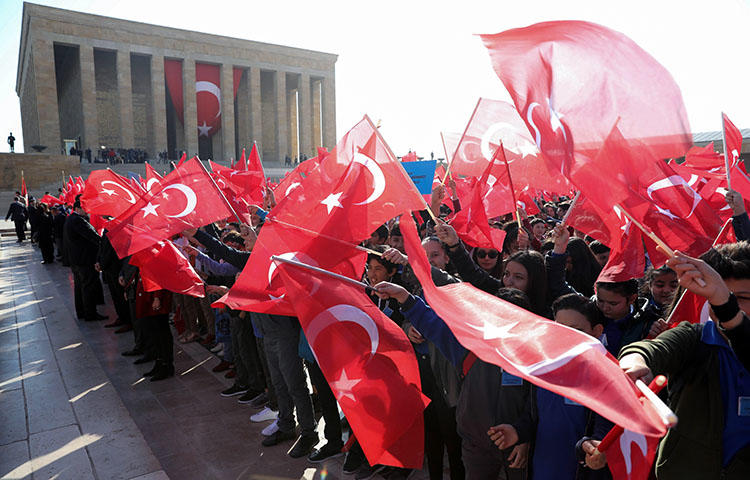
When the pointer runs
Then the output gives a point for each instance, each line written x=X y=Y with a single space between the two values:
x=72 y=407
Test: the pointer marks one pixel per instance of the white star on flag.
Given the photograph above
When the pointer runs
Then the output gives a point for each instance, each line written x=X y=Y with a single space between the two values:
x=108 y=192
x=149 y=209
x=344 y=386
x=332 y=201
x=492 y=332
x=203 y=130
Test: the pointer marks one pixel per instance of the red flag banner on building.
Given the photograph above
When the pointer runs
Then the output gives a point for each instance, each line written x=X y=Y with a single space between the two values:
x=208 y=98
x=367 y=360
x=163 y=267
x=186 y=198
x=547 y=354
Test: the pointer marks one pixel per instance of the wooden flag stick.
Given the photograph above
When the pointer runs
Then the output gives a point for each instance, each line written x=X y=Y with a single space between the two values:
x=570 y=208
x=726 y=151
x=395 y=159
x=327 y=237
x=501 y=149
x=453 y=157
x=348 y=280
x=659 y=242
x=445 y=149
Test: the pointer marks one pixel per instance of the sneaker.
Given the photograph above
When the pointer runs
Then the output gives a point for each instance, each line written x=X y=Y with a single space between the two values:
x=278 y=437
x=260 y=401
x=271 y=429
x=303 y=446
x=264 y=415
x=233 y=391
x=329 y=450
x=353 y=461
x=218 y=347
x=248 y=397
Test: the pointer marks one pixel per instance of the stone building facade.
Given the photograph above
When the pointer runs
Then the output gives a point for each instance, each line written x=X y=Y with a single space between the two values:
x=101 y=81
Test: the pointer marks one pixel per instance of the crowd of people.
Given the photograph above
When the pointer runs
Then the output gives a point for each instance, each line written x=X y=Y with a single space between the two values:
x=489 y=423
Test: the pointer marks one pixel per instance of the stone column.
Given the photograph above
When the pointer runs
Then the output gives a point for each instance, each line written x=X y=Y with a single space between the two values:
x=305 y=116
x=316 y=116
x=329 y=112
x=227 y=111
x=125 y=90
x=242 y=115
x=46 y=94
x=159 y=105
x=190 y=107
x=282 y=131
x=256 y=118
x=88 y=97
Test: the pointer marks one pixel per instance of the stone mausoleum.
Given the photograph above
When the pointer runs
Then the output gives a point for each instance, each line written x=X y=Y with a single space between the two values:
x=91 y=81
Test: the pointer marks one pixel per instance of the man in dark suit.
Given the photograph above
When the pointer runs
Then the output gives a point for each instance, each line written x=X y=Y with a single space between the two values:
x=18 y=214
x=81 y=242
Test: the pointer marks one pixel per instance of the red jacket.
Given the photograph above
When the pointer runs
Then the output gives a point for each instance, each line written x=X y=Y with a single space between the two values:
x=144 y=301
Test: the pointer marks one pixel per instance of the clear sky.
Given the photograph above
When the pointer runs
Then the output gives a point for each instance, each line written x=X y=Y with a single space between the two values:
x=417 y=65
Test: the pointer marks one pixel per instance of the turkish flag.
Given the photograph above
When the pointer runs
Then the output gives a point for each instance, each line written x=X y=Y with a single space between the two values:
x=107 y=193
x=253 y=161
x=258 y=288
x=631 y=456
x=547 y=354
x=50 y=200
x=208 y=98
x=471 y=223
x=246 y=184
x=627 y=258
x=152 y=177
x=186 y=198
x=732 y=141
x=410 y=157
x=242 y=163
x=367 y=360
x=163 y=267
x=571 y=81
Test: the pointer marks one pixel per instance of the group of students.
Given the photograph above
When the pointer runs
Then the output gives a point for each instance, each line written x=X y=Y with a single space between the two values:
x=491 y=423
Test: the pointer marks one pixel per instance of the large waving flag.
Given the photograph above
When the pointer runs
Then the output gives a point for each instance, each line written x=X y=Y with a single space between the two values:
x=186 y=198
x=162 y=266
x=367 y=360
x=545 y=353
x=107 y=193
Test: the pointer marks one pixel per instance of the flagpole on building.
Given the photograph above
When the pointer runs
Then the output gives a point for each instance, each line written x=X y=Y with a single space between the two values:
x=343 y=278
x=453 y=157
x=726 y=152
x=213 y=182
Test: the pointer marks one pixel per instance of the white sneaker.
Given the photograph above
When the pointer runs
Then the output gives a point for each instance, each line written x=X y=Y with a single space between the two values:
x=264 y=415
x=271 y=429
x=218 y=347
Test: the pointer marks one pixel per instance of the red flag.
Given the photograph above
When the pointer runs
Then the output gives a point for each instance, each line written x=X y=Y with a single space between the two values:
x=471 y=223
x=208 y=98
x=107 y=193
x=547 y=354
x=630 y=457
x=183 y=158
x=369 y=363
x=627 y=259
x=245 y=184
x=152 y=177
x=24 y=192
x=242 y=163
x=258 y=288
x=253 y=161
x=571 y=81
x=186 y=198
x=163 y=267
x=410 y=157
x=732 y=141
x=50 y=200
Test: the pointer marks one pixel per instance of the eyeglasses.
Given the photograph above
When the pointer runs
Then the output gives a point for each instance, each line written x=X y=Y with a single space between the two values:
x=484 y=253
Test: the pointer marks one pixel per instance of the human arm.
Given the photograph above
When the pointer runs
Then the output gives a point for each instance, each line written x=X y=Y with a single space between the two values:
x=238 y=258
x=459 y=257
x=555 y=263
x=212 y=267
x=740 y=220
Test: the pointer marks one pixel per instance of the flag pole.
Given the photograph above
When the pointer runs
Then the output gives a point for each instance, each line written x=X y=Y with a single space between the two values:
x=501 y=149
x=726 y=152
x=570 y=208
x=348 y=280
x=445 y=149
x=317 y=234
x=213 y=182
x=395 y=159
x=656 y=385
x=463 y=135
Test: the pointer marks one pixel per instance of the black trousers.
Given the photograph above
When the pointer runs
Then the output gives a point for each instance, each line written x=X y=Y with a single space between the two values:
x=118 y=297
x=87 y=290
x=48 y=249
x=21 y=230
x=156 y=328
x=327 y=402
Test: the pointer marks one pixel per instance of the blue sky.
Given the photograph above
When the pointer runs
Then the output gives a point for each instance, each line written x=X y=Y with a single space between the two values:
x=417 y=66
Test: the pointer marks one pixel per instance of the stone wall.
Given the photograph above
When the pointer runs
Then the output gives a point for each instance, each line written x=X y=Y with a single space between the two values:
x=268 y=114
x=41 y=171
x=107 y=98
x=29 y=112
x=143 y=118
x=69 y=96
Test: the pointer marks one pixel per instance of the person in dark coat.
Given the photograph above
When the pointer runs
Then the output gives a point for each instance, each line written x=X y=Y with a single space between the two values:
x=17 y=213
x=109 y=264
x=58 y=222
x=45 y=233
x=153 y=308
x=33 y=213
x=82 y=244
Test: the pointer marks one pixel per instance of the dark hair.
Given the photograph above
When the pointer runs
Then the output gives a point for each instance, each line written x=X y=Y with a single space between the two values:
x=497 y=270
x=396 y=230
x=514 y=296
x=652 y=273
x=626 y=288
x=381 y=232
x=585 y=267
x=536 y=289
x=731 y=260
x=547 y=246
x=236 y=225
x=77 y=202
x=234 y=237
x=511 y=236
x=582 y=305
x=390 y=267
x=536 y=221
x=598 y=247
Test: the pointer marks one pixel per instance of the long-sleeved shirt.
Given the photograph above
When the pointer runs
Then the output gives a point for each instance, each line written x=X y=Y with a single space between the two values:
x=206 y=264
x=238 y=258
